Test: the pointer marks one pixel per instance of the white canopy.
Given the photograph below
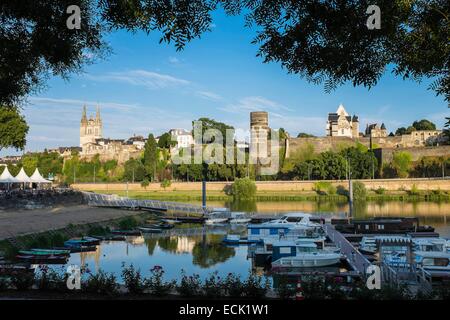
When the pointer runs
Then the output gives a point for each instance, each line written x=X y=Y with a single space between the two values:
x=37 y=178
x=6 y=177
x=23 y=177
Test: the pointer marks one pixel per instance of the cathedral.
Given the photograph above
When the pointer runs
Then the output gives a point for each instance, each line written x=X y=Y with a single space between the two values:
x=90 y=129
x=341 y=124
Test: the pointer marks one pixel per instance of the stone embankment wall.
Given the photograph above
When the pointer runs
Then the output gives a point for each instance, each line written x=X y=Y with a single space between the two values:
x=41 y=199
x=273 y=186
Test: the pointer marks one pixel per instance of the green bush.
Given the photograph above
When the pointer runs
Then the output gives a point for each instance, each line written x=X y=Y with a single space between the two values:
x=128 y=223
x=133 y=280
x=359 y=191
x=102 y=283
x=380 y=190
x=414 y=190
x=145 y=183
x=190 y=286
x=243 y=188
x=158 y=287
x=324 y=188
x=166 y=183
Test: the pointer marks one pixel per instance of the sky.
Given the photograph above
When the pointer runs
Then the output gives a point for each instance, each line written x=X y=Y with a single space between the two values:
x=145 y=87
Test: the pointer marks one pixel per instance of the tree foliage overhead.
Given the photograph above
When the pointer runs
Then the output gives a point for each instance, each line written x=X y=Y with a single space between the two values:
x=35 y=41
x=323 y=41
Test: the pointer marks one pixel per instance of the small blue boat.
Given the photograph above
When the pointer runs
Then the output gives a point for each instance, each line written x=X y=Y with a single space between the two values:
x=81 y=242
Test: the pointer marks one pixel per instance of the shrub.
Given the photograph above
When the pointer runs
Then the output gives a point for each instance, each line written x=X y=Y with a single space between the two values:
x=49 y=279
x=414 y=190
x=359 y=191
x=158 y=287
x=128 y=223
x=22 y=281
x=4 y=284
x=233 y=285
x=285 y=290
x=145 y=183
x=243 y=188
x=102 y=283
x=133 y=280
x=213 y=286
x=380 y=190
x=190 y=286
x=402 y=162
x=255 y=287
x=340 y=190
x=166 y=183
x=321 y=187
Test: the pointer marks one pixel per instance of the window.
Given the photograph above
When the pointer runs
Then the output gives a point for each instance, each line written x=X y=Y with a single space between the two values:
x=367 y=227
x=285 y=250
x=255 y=231
x=273 y=231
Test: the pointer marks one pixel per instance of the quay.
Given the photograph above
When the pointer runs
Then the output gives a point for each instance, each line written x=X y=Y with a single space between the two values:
x=355 y=259
x=114 y=201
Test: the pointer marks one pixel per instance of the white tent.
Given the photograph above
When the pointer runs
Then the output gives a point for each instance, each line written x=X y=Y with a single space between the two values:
x=37 y=178
x=22 y=177
x=6 y=177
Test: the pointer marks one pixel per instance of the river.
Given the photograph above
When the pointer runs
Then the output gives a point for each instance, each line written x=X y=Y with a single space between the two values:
x=205 y=254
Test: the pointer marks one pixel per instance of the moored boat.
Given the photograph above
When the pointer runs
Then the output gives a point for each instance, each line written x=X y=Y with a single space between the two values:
x=150 y=229
x=33 y=259
x=127 y=232
x=306 y=255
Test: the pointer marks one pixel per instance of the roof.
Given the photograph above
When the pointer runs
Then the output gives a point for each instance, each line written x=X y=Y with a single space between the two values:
x=22 y=176
x=37 y=178
x=6 y=177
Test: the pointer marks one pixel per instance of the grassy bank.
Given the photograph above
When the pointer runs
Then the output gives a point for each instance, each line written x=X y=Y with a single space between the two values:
x=195 y=195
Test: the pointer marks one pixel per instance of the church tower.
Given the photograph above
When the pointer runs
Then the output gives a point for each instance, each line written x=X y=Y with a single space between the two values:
x=90 y=129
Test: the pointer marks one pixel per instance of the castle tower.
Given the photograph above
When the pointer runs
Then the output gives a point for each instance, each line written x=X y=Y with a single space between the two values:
x=355 y=127
x=259 y=134
x=90 y=129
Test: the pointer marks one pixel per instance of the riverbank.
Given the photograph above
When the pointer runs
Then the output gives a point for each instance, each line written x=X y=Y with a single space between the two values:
x=196 y=195
x=15 y=223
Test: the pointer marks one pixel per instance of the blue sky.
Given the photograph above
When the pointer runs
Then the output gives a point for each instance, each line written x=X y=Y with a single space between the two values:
x=144 y=87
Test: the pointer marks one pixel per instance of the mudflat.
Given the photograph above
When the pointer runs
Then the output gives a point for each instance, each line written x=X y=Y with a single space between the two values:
x=15 y=222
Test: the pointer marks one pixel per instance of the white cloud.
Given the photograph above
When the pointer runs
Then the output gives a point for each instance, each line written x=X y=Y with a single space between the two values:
x=174 y=60
x=148 y=79
x=209 y=95
x=254 y=103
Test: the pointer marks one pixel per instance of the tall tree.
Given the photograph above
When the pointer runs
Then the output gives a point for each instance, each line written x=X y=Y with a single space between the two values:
x=424 y=124
x=13 y=129
x=150 y=156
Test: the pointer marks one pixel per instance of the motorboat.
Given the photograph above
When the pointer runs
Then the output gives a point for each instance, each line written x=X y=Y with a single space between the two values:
x=150 y=229
x=239 y=218
x=430 y=244
x=217 y=217
x=433 y=260
x=235 y=239
x=306 y=254
x=296 y=219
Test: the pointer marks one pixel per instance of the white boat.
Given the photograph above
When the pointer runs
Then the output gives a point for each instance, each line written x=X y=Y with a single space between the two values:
x=306 y=255
x=430 y=244
x=297 y=220
x=239 y=218
x=217 y=217
x=433 y=261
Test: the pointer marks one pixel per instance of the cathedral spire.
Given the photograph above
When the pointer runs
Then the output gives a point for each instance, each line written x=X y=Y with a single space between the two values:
x=84 y=117
x=97 y=115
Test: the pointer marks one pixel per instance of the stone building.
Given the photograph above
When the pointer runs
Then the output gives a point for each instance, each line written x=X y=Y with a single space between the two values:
x=341 y=124
x=376 y=131
x=183 y=138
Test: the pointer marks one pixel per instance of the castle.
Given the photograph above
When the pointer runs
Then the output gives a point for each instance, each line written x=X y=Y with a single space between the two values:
x=341 y=124
x=90 y=129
